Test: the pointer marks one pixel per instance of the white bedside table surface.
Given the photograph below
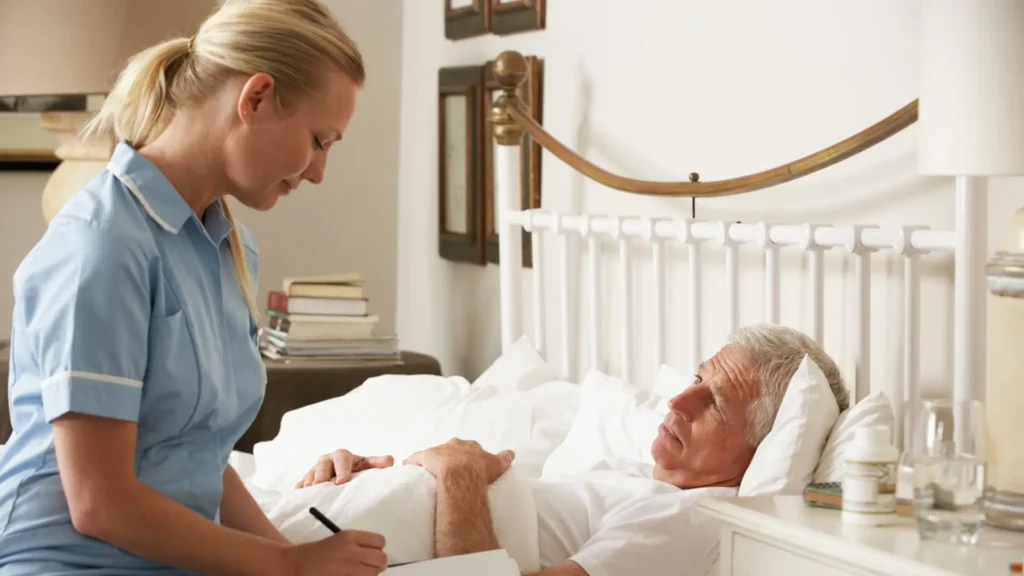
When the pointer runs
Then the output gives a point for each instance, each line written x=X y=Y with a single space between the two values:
x=881 y=548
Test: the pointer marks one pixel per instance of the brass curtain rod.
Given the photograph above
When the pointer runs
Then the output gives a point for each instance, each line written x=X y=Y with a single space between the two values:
x=511 y=117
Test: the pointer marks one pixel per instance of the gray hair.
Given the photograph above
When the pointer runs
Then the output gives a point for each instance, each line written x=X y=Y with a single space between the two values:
x=777 y=352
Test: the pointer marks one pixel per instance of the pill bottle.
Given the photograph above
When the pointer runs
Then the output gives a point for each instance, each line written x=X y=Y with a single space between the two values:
x=869 y=478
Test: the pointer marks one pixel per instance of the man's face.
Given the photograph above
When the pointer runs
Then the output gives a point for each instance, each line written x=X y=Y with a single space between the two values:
x=703 y=440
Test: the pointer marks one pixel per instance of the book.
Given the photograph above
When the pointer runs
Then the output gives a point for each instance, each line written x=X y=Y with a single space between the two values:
x=490 y=563
x=320 y=326
x=830 y=495
x=353 y=278
x=281 y=302
x=373 y=343
x=346 y=286
x=326 y=291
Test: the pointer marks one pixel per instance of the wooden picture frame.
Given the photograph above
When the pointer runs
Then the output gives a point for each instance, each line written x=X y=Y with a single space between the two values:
x=466 y=18
x=513 y=16
x=24 y=144
x=531 y=93
x=459 y=171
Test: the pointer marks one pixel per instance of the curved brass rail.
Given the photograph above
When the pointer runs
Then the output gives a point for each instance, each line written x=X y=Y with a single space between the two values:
x=510 y=70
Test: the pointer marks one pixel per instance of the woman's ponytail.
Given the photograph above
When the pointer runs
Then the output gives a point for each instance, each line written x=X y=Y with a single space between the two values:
x=139 y=106
x=242 y=272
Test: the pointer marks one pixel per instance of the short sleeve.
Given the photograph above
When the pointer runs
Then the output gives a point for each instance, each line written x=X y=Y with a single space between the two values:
x=664 y=535
x=84 y=300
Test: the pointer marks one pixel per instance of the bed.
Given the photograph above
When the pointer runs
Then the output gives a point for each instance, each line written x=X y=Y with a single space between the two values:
x=548 y=395
x=559 y=337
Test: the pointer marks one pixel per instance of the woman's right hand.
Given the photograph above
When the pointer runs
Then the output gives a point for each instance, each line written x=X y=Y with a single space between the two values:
x=347 y=553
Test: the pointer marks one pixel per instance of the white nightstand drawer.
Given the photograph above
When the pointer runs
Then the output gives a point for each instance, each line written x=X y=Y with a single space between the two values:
x=753 y=557
x=782 y=536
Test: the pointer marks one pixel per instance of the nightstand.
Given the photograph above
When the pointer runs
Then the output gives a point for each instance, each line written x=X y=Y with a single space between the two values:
x=782 y=536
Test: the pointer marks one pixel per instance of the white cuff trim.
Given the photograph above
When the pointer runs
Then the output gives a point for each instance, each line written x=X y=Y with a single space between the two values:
x=93 y=376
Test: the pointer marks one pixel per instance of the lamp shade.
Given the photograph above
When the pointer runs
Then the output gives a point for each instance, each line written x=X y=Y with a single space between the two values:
x=64 y=47
x=971 y=107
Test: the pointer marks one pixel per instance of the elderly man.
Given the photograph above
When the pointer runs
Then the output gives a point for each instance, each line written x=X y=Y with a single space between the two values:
x=631 y=520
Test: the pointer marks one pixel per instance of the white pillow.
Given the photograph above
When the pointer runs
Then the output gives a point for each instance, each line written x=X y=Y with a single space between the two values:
x=518 y=368
x=532 y=422
x=612 y=424
x=616 y=422
x=670 y=382
x=874 y=410
x=784 y=463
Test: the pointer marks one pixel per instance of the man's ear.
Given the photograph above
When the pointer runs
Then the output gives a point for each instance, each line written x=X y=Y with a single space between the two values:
x=256 y=98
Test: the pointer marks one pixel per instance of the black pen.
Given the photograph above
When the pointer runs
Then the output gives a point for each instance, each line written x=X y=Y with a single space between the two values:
x=323 y=520
x=333 y=528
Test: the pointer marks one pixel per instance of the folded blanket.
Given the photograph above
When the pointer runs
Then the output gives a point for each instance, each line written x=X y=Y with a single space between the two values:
x=399 y=503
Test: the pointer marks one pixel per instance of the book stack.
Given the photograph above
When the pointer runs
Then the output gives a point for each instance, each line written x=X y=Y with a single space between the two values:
x=325 y=318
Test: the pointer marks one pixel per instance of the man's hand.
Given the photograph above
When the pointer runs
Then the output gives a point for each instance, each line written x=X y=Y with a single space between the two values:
x=463 y=456
x=339 y=466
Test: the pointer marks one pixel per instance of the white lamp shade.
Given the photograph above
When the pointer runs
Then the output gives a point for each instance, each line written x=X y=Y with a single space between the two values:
x=65 y=47
x=971 y=107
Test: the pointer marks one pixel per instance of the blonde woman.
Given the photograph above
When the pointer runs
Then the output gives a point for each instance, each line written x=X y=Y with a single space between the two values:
x=134 y=367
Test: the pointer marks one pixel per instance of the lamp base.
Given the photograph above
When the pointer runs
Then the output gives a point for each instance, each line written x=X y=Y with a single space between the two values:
x=81 y=159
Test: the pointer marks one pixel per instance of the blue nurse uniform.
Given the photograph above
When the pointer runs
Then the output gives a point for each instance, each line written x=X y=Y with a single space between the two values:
x=127 y=308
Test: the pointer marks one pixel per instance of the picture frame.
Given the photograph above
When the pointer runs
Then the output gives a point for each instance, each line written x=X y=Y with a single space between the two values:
x=24 y=144
x=531 y=93
x=466 y=18
x=459 y=164
x=514 y=16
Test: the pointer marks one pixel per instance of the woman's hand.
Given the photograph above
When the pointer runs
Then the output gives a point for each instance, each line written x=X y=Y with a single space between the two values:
x=339 y=466
x=347 y=553
x=463 y=455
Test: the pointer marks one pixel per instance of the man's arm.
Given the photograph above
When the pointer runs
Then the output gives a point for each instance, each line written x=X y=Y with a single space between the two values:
x=240 y=511
x=463 y=518
x=463 y=470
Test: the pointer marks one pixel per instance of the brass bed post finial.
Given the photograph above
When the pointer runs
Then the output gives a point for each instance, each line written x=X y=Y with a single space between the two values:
x=509 y=71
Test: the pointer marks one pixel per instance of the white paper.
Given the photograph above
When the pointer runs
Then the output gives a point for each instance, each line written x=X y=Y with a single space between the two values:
x=492 y=563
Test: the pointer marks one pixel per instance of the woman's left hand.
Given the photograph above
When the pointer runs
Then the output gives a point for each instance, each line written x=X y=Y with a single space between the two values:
x=339 y=466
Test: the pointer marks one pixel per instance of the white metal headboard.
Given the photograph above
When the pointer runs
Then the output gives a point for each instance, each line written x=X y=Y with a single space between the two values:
x=910 y=243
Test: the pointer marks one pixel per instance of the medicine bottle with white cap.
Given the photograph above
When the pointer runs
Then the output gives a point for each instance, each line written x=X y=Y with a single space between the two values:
x=869 y=478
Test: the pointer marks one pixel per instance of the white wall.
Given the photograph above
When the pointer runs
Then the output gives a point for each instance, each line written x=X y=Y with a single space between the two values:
x=347 y=223
x=659 y=89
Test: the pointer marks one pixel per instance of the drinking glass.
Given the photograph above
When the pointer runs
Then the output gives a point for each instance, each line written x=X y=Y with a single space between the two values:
x=949 y=471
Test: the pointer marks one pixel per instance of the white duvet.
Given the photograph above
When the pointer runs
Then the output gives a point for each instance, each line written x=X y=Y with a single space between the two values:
x=520 y=407
x=399 y=503
x=399 y=415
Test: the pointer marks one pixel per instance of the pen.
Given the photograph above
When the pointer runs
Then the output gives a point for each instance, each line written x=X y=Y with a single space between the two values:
x=333 y=528
x=323 y=520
